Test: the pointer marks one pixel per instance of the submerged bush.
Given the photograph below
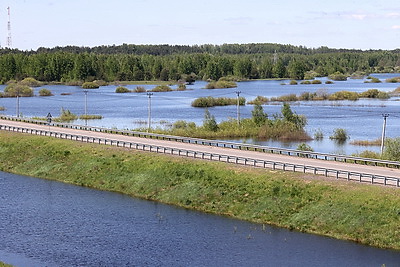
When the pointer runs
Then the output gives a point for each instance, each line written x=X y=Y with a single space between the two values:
x=210 y=101
x=121 y=90
x=221 y=84
x=161 y=88
x=139 y=89
x=45 y=92
x=14 y=90
x=90 y=85
x=259 y=100
x=338 y=76
x=339 y=134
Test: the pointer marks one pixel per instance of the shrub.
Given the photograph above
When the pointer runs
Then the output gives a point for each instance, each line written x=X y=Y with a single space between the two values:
x=258 y=115
x=221 y=84
x=66 y=115
x=90 y=117
x=181 y=87
x=90 y=85
x=139 y=89
x=338 y=76
x=293 y=82
x=2 y=108
x=319 y=135
x=209 y=123
x=161 y=88
x=374 y=93
x=14 y=90
x=328 y=82
x=210 y=101
x=285 y=98
x=344 y=95
x=339 y=134
x=393 y=80
x=304 y=147
x=392 y=149
x=32 y=82
x=368 y=154
x=45 y=92
x=259 y=100
x=122 y=90
x=305 y=82
x=316 y=82
x=373 y=80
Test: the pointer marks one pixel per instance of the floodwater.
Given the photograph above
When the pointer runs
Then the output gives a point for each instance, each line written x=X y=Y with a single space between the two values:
x=362 y=119
x=47 y=223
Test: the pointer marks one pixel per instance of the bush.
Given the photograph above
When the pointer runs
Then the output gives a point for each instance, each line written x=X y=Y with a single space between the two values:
x=139 y=89
x=339 y=134
x=305 y=82
x=373 y=80
x=209 y=123
x=221 y=84
x=293 y=82
x=374 y=93
x=161 y=88
x=393 y=80
x=66 y=115
x=90 y=85
x=181 y=87
x=122 y=90
x=90 y=117
x=259 y=100
x=328 y=82
x=32 y=82
x=392 y=149
x=316 y=82
x=304 y=147
x=210 y=101
x=338 y=76
x=319 y=135
x=285 y=98
x=344 y=95
x=14 y=90
x=45 y=92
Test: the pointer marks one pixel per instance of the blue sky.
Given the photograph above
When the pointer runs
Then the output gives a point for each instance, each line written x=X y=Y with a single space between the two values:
x=337 y=24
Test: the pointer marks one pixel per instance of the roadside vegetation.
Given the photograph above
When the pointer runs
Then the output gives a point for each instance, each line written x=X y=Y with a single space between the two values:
x=362 y=213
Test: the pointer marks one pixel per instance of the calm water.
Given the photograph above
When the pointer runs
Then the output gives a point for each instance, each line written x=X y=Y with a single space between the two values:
x=362 y=119
x=45 y=223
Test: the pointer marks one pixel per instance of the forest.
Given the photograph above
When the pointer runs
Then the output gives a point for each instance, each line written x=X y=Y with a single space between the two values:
x=182 y=62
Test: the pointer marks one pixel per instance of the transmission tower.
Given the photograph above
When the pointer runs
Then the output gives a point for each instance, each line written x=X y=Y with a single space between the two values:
x=9 y=41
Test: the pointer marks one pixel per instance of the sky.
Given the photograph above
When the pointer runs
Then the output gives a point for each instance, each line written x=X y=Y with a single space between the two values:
x=312 y=23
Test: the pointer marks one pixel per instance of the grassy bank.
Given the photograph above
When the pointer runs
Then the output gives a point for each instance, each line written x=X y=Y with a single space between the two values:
x=352 y=211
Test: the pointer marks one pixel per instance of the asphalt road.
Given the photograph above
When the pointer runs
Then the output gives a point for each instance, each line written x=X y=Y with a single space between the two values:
x=349 y=167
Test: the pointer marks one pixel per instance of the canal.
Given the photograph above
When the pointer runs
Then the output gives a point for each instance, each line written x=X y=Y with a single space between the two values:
x=47 y=223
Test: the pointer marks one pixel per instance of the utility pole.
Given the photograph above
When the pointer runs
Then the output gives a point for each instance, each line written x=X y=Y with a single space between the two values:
x=86 y=118
x=238 y=107
x=383 y=131
x=149 y=112
x=17 y=111
x=86 y=92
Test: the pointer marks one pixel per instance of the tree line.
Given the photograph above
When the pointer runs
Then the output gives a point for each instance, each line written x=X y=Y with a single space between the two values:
x=165 y=62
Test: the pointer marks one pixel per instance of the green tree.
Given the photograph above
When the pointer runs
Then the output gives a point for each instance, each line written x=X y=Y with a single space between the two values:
x=209 y=123
x=289 y=116
x=258 y=115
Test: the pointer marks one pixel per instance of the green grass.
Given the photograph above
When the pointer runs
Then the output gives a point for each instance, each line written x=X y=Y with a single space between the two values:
x=363 y=213
x=2 y=264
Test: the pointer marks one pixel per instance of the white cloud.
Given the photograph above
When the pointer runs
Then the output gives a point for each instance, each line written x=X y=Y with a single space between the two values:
x=393 y=15
x=396 y=27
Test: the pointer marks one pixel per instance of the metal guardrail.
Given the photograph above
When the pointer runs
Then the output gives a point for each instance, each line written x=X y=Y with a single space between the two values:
x=218 y=143
x=338 y=174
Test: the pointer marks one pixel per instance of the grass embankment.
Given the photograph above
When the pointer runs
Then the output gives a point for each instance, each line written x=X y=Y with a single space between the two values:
x=2 y=264
x=364 y=213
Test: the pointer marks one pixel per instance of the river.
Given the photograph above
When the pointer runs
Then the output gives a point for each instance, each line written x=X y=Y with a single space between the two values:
x=362 y=119
x=47 y=223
